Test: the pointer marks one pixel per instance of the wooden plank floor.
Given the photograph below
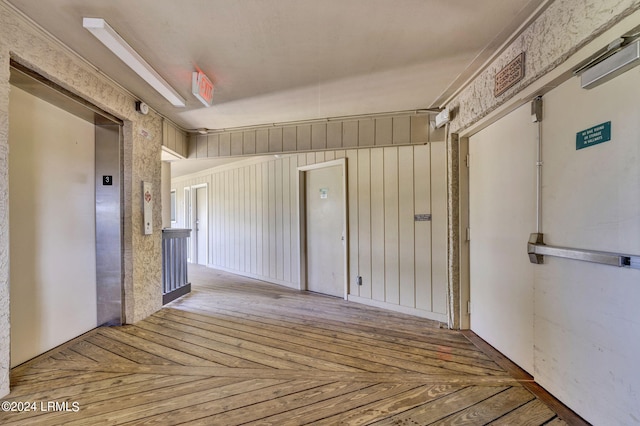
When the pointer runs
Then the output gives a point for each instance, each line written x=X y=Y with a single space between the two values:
x=238 y=351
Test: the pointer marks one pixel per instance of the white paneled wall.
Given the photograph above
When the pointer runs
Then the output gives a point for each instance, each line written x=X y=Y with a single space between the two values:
x=389 y=130
x=254 y=222
x=174 y=138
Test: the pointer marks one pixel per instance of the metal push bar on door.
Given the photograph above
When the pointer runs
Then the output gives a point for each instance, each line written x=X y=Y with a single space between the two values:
x=537 y=250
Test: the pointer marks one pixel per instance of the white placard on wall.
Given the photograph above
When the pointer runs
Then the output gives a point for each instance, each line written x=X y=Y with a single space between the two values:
x=147 y=203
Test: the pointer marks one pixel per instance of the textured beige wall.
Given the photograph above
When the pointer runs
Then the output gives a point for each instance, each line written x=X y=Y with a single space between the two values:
x=4 y=221
x=27 y=44
x=143 y=254
x=561 y=30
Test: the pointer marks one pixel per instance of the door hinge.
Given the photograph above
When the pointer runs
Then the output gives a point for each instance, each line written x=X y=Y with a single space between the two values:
x=468 y=160
x=468 y=307
x=468 y=234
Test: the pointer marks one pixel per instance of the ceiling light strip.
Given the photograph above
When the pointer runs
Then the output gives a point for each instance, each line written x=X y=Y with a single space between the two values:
x=112 y=40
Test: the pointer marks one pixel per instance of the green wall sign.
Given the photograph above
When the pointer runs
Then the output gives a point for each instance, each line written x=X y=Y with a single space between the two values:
x=594 y=135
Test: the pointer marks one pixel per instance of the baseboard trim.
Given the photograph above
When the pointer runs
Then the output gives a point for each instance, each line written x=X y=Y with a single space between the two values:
x=287 y=284
x=397 y=308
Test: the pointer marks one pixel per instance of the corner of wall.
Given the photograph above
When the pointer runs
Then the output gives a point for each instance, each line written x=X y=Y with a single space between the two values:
x=5 y=348
x=453 y=229
x=143 y=260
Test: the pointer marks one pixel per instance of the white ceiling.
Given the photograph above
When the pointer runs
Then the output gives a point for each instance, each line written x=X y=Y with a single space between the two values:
x=275 y=61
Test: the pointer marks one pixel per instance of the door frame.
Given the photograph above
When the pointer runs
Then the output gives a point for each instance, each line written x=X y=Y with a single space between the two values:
x=302 y=218
x=464 y=234
x=187 y=219
x=108 y=187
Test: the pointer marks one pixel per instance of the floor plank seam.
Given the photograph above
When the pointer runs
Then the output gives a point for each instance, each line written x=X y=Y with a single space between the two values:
x=239 y=351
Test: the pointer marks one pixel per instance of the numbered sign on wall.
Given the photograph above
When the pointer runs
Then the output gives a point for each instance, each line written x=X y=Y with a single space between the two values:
x=147 y=203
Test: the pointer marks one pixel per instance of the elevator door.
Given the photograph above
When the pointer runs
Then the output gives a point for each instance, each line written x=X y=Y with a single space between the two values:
x=52 y=226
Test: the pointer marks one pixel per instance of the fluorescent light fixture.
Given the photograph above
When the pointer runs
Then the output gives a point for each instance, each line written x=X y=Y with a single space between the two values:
x=107 y=35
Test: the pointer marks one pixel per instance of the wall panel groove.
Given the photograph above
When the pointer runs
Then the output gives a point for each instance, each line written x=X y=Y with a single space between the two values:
x=377 y=225
x=391 y=240
x=406 y=230
x=386 y=130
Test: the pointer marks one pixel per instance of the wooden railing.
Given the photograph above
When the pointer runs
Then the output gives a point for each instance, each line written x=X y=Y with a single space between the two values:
x=175 y=280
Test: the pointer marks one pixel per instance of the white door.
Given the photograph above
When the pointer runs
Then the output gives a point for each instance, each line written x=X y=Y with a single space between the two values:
x=587 y=325
x=325 y=230
x=502 y=194
x=201 y=225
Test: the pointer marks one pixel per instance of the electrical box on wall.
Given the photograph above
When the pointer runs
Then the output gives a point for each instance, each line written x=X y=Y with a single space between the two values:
x=147 y=206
